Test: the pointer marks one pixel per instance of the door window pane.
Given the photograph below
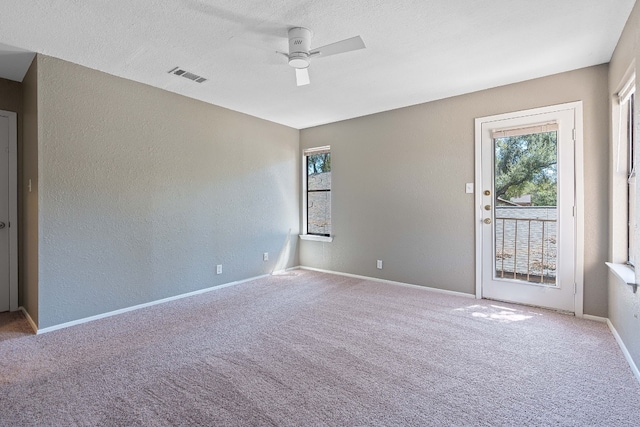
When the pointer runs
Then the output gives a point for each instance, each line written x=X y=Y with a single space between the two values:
x=525 y=214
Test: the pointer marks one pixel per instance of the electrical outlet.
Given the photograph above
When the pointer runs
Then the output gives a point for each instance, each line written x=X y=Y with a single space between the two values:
x=379 y=264
x=219 y=269
x=265 y=256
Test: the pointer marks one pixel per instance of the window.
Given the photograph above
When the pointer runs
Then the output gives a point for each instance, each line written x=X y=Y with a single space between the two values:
x=628 y=136
x=631 y=186
x=317 y=193
x=624 y=212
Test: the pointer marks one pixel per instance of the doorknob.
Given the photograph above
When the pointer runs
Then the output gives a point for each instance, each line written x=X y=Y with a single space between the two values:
x=2 y=225
x=487 y=207
x=487 y=220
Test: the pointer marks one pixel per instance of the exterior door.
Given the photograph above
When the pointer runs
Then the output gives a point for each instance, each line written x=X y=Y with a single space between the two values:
x=8 y=223
x=527 y=206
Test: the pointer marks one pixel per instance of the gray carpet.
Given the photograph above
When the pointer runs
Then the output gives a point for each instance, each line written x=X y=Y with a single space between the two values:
x=311 y=349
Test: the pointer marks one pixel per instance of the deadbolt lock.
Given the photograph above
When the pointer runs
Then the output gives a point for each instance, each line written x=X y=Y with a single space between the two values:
x=487 y=220
x=487 y=192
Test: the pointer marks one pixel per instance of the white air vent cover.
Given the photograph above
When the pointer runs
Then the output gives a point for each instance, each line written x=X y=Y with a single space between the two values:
x=187 y=75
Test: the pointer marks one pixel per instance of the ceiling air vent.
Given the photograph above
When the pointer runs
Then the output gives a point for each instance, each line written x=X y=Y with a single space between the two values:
x=187 y=75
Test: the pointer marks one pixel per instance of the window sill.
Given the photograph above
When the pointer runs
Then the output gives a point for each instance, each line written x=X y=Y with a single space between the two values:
x=624 y=273
x=315 y=238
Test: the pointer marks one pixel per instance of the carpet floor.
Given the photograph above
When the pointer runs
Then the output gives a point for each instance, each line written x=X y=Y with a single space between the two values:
x=312 y=349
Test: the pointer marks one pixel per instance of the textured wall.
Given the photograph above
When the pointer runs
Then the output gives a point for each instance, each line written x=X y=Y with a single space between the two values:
x=29 y=170
x=29 y=266
x=399 y=179
x=143 y=192
x=624 y=305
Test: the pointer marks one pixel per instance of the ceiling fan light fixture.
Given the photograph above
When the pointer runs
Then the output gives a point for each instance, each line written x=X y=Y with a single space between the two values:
x=299 y=60
x=299 y=45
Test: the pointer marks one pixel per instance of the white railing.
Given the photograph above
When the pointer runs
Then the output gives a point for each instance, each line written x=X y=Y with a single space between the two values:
x=526 y=249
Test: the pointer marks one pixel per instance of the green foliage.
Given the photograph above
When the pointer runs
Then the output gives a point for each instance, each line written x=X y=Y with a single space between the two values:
x=318 y=163
x=527 y=164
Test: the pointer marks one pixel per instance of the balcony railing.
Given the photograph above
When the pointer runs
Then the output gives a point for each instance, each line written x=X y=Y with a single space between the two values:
x=526 y=249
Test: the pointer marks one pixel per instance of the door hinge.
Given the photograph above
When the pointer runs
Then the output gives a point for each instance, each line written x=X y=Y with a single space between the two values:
x=573 y=211
x=575 y=288
x=573 y=134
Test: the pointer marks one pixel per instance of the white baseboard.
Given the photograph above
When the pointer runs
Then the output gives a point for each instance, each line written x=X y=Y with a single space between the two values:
x=391 y=282
x=595 y=318
x=623 y=347
x=29 y=319
x=139 y=306
x=285 y=271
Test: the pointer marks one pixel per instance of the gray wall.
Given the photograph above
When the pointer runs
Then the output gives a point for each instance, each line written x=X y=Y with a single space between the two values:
x=28 y=244
x=142 y=192
x=399 y=179
x=624 y=305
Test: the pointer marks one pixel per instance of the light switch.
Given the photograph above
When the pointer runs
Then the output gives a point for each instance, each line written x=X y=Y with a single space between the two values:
x=469 y=188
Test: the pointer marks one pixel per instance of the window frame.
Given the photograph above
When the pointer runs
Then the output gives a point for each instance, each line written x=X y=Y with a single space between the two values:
x=305 y=235
x=628 y=109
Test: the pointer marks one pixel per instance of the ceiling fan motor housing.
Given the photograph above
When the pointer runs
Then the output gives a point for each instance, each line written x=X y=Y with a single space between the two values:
x=299 y=46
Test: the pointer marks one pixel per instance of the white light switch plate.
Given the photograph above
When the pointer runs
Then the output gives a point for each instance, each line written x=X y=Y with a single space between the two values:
x=469 y=188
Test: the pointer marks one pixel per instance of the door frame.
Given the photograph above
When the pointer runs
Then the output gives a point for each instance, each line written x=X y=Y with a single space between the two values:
x=579 y=193
x=13 y=208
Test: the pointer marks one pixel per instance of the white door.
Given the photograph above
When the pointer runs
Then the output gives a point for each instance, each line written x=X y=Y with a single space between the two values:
x=8 y=220
x=526 y=205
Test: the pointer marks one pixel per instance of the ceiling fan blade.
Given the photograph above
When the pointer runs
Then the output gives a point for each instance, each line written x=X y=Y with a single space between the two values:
x=354 y=43
x=302 y=76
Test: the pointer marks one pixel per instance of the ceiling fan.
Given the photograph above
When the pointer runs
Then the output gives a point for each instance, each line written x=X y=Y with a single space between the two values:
x=300 y=52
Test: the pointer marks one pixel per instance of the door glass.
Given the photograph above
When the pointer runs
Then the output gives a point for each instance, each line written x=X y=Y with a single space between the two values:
x=525 y=207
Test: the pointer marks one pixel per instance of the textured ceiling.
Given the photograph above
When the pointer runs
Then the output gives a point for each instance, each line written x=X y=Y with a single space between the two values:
x=417 y=50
